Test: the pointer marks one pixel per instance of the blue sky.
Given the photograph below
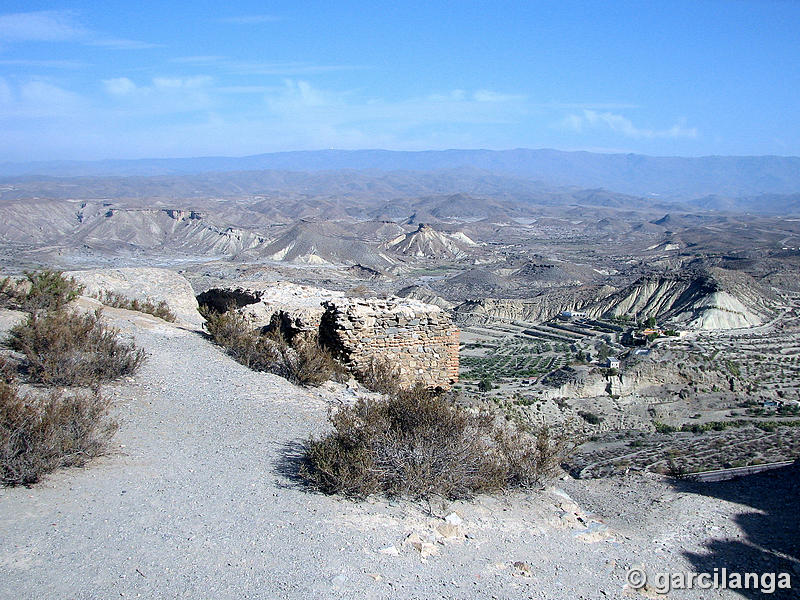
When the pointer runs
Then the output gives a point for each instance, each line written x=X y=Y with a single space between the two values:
x=89 y=80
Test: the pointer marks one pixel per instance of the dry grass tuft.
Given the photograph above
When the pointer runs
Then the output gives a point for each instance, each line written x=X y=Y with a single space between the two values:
x=40 y=435
x=157 y=309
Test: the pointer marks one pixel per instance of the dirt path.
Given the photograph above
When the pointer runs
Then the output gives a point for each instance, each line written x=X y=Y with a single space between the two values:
x=197 y=502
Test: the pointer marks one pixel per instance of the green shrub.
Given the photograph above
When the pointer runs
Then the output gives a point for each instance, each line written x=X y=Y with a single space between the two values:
x=49 y=290
x=416 y=443
x=677 y=469
x=664 y=428
x=65 y=348
x=40 y=435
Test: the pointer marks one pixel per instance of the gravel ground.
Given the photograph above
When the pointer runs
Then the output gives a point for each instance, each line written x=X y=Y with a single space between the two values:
x=198 y=500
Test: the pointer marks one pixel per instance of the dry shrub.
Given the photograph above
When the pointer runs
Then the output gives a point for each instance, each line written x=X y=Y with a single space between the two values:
x=40 y=291
x=235 y=333
x=303 y=362
x=65 y=348
x=157 y=309
x=40 y=435
x=306 y=362
x=10 y=294
x=378 y=376
x=416 y=443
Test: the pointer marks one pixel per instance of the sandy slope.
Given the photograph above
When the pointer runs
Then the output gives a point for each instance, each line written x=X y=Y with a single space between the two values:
x=196 y=502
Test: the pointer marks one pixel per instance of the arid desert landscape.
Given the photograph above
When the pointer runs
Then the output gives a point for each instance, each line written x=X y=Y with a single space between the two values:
x=411 y=300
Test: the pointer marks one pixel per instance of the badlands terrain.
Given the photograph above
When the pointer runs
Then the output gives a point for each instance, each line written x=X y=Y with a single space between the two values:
x=659 y=329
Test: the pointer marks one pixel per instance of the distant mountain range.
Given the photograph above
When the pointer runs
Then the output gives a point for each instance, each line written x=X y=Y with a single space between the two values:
x=669 y=178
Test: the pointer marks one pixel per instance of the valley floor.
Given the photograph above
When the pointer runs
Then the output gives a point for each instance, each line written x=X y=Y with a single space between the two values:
x=199 y=500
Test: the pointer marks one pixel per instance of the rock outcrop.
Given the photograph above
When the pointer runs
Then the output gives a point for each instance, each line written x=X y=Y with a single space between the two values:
x=144 y=283
x=295 y=308
x=427 y=242
x=705 y=299
x=538 y=309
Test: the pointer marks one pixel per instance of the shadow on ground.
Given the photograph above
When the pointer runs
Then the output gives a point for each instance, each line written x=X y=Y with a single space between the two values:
x=770 y=524
x=291 y=459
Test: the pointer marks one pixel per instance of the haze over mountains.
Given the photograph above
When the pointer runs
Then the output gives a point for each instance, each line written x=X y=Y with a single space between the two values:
x=683 y=178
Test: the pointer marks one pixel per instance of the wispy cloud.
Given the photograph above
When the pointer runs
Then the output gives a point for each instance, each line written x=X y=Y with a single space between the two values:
x=119 y=86
x=249 y=19
x=289 y=68
x=243 y=67
x=491 y=96
x=161 y=95
x=59 y=26
x=55 y=64
x=588 y=105
x=594 y=120
x=38 y=99
x=40 y=26
x=300 y=101
x=198 y=60
x=122 y=44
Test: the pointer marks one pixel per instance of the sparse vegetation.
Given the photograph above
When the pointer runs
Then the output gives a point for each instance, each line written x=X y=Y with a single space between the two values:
x=40 y=435
x=590 y=417
x=157 y=309
x=41 y=291
x=485 y=384
x=42 y=431
x=378 y=376
x=304 y=361
x=416 y=443
x=49 y=291
x=664 y=428
x=65 y=348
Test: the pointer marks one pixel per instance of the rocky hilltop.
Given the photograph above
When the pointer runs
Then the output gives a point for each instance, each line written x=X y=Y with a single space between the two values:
x=144 y=283
x=427 y=242
x=694 y=299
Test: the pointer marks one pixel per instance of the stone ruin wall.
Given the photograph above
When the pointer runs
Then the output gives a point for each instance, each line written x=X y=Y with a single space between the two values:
x=418 y=340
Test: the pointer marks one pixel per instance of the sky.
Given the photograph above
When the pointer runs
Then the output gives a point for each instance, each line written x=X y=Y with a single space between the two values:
x=90 y=80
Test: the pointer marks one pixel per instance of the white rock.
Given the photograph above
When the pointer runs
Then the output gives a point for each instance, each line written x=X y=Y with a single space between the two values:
x=453 y=519
x=390 y=550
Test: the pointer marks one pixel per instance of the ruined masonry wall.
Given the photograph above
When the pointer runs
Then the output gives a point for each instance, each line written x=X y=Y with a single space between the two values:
x=419 y=340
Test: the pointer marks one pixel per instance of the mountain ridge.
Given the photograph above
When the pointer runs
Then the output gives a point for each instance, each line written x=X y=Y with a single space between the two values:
x=662 y=176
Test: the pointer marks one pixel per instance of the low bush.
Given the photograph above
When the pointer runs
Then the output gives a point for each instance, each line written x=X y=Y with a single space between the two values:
x=378 y=376
x=9 y=293
x=663 y=427
x=416 y=443
x=49 y=291
x=65 y=348
x=304 y=362
x=157 y=309
x=590 y=417
x=40 y=435
x=310 y=364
